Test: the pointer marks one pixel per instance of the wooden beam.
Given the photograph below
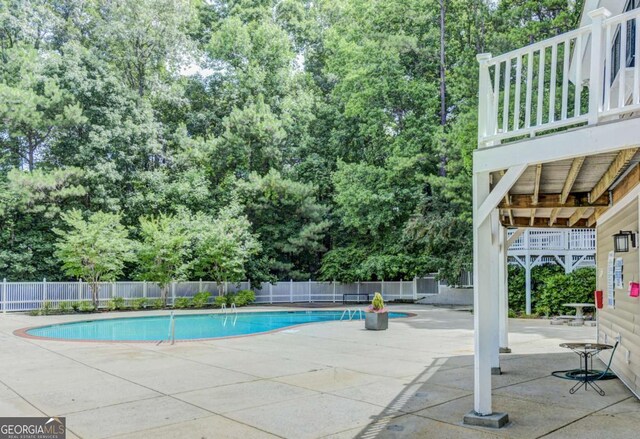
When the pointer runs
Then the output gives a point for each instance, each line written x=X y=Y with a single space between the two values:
x=554 y=216
x=520 y=221
x=576 y=165
x=621 y=160
x=552 y=201
x=536 y=185
x=507 y=202
x=630 y=181
x=593 y=219
x=498 y=192
x=577 y=216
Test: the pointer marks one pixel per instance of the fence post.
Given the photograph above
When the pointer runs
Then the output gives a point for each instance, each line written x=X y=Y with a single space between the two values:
x=173 y=292
x=270 y=293
x=596 y=80
x=290 y=290
x=382 y=288
x=144 y=289
x=334 y=291
x=4 y=295
x=249 y=284
x=401 y=288
x=44 y=290
x=113 y=289
x=226 y=287
x=79 y=290
x=358 y=289
x=309 y=290
x=200 y=285
x=415 y=288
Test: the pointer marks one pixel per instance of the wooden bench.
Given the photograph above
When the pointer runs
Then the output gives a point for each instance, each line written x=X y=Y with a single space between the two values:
x=357 y=295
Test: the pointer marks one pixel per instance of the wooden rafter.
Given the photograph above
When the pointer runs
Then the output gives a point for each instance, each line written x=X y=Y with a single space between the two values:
x=507 y=203
x=576 y=165
x=621 y=160
x=536 y=185
x=552 y=201
x=554 y=216
x=576 y=216
x=630 y=181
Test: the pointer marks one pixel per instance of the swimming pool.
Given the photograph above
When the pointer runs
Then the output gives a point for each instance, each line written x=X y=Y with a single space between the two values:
x=187 y=327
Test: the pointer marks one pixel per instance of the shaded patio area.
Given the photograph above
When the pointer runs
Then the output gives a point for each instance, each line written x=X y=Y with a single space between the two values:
x=320 y=380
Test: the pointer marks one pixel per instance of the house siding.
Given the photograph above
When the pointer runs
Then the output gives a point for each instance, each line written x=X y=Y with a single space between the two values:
x=624 y=318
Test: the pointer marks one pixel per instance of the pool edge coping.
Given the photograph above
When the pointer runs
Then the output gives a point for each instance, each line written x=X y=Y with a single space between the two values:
x=22 y=332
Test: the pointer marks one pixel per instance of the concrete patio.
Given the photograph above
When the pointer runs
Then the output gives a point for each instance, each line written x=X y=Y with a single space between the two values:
x=319 y=380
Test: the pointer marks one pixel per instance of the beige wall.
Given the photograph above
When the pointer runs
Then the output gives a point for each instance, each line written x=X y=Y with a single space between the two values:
x=624 y=319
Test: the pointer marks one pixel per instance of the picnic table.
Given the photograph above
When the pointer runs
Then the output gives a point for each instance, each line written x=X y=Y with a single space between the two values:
x=579 y=317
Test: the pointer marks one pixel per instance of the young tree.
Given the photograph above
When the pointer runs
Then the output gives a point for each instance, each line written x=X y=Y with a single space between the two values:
x=95 y=249
x=223 y=245
x=162 y=254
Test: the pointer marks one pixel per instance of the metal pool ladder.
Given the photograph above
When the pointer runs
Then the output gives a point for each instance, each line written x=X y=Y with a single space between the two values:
x=349 y=315
x=172 y=328
x=224 y=309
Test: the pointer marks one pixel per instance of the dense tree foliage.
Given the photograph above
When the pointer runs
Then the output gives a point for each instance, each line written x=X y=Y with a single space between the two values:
x=327 y=139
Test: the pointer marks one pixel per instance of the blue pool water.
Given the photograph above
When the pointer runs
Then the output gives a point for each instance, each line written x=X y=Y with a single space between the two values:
x=187 y=327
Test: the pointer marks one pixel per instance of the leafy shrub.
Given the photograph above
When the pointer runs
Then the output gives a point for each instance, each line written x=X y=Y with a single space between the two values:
x=201 y=299
x=517 y=285
x=75 y=306
x=182 y=302
x=558 y=289
x=116 y=303
x=219 y=301
x=46 y=308
x=512 y=314
x=157 y=303
x=65 y=307
x=86 y=306
x=241 y=298
x=139 y=303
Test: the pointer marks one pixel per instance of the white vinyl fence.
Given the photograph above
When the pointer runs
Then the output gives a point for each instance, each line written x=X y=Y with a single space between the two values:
x=26 y=296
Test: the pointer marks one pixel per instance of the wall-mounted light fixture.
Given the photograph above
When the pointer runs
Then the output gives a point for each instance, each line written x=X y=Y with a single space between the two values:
x=621 y=241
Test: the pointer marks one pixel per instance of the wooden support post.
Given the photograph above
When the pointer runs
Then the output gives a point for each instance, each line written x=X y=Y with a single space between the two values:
x=503 y=278
x=483 y=313
x=527 y=282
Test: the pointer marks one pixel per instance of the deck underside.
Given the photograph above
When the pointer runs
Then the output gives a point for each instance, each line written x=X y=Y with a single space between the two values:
x=568 y=193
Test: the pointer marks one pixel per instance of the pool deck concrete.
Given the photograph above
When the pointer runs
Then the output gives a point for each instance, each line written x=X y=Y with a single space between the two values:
x=333 y=380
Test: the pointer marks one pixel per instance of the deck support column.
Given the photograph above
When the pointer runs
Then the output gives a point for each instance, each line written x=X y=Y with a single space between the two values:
x=482 y=314
x=485 y=272
x=527 y=282
x=503 y=278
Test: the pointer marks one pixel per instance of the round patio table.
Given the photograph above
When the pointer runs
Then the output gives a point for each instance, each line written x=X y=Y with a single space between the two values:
x=584 y=375
x=579 y=307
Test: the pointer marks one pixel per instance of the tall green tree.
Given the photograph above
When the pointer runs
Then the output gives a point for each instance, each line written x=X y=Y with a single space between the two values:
x=95 y=249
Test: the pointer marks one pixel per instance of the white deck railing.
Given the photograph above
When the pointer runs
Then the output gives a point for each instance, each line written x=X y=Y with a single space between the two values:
x=558 y=239
x=543 y=87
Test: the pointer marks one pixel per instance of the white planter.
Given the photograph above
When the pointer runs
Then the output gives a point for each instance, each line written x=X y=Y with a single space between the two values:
x=376 y=321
